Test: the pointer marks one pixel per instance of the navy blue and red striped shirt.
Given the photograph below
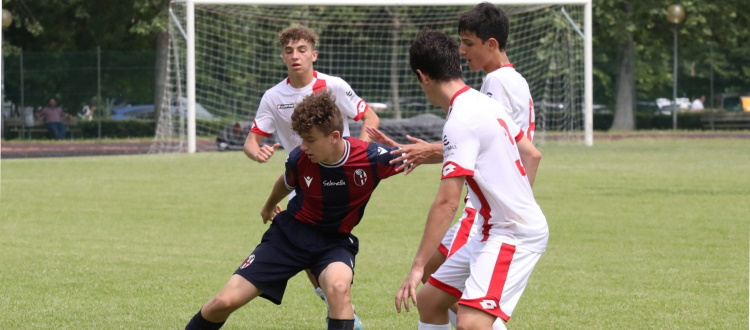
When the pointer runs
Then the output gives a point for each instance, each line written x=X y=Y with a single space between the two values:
x=332 y=197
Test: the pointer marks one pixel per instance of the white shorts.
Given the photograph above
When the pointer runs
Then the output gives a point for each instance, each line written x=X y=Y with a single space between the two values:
x=461 y=232
x=487 y=275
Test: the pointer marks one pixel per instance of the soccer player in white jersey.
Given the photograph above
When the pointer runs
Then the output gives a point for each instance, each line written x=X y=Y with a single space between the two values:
x=481 y=148
x=277 y=105
x=484 y=33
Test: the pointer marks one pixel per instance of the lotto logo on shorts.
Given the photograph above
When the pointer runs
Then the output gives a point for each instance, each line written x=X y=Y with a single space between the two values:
x=488 y=304
x=247 y=261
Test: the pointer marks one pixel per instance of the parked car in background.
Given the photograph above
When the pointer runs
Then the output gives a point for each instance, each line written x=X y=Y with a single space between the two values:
x=666 y=106
x=734 y=101
x=552 y=108
x=146 y=112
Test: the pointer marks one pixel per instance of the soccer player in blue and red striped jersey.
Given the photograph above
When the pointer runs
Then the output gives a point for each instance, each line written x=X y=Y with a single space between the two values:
x=333 y=177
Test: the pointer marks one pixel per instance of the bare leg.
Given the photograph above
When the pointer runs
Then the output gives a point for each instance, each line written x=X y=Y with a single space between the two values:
x=312 y=279
x=432 y=265
x=471 y=318
x=235 y=294
x=335 y=280
x=433 y=304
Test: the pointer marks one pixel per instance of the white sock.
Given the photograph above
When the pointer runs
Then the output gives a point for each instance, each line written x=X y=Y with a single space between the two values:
x=499 y=324
x=452 y=318
x=425 y=326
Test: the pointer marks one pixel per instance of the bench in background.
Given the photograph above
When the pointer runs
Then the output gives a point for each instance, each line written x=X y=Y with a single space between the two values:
x=726 y=120
x=23 y=129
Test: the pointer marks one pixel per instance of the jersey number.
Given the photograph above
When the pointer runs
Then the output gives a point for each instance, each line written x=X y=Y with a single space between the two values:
x=519 y=166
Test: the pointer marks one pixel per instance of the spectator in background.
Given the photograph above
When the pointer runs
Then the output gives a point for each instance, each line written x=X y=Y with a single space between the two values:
x=53 y=119
x=697 y=104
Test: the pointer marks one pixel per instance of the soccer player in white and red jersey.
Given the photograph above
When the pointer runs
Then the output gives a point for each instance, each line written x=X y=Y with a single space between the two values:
x=504 y=84
x=278 y=103
x=481 y=148
x=483 y=32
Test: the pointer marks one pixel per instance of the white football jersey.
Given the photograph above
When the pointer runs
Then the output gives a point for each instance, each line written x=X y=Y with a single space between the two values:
x=508 y=87
x=479 y=142
x=277 y=105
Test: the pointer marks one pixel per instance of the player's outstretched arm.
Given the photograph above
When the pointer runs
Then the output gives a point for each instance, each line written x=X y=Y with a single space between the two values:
x=254 y=151
x=375 y=135
x=272 y=207
x=530 y=158
x=438 y=220
x=369 y=119
x=413 y=155
x=418 y=153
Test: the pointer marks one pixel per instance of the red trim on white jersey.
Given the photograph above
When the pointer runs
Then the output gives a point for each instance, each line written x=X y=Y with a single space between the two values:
x=257 y=130
x=497 y=283
x=361 y=109
x=460 y=91
x=319 y=85
x=509 y=65
x=463 y=232
x=445 y=287
x=520 y=167
x=507 y=131
x=451 y=169
x=443 y=250
x=484 y=207
x=520 y=135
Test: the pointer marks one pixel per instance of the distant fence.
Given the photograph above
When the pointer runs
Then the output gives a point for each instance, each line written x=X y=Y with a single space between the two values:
x=77 y=78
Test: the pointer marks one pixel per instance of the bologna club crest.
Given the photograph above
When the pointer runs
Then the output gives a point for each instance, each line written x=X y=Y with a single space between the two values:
x=247 y=261
x=360 y=177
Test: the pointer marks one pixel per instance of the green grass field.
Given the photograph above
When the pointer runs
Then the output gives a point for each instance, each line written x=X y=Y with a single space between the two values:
x=645 y=234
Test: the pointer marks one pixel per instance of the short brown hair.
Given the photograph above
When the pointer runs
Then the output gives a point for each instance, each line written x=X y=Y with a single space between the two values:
x=317 y=110
x=294 y=33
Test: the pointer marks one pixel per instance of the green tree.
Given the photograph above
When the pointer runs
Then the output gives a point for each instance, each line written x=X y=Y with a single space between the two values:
x=633 y=51
x=56 y=28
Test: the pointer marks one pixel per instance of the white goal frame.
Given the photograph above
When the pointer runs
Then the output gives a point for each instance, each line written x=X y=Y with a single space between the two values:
x=588 y=67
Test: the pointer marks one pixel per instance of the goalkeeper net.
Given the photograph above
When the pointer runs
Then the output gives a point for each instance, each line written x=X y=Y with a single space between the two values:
x=237 y=58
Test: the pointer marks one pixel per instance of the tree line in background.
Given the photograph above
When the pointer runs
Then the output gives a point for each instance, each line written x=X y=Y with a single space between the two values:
x=632 y=49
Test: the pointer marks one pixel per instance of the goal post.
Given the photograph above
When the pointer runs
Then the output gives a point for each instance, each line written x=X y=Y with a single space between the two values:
x=223 y=56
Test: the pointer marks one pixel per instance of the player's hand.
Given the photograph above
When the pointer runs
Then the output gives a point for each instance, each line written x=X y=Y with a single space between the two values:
x=412 y=155
x=377 y=136
x=265 y=152
x=268 y=215
x=409 y=289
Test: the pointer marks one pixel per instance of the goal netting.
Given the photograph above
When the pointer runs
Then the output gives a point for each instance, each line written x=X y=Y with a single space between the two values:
x=237 y=59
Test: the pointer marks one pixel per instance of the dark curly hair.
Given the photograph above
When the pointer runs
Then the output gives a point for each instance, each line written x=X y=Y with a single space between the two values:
x=317 y=110
x=295 y=33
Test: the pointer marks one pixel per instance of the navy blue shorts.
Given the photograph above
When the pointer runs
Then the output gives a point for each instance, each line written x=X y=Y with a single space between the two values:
x=290 y=246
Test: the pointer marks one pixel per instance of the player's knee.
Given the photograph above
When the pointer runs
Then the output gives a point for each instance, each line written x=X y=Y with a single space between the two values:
x=471 y=326
x=464 y=326
x=222 y=304
x=431 y=299
x=338 y=290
